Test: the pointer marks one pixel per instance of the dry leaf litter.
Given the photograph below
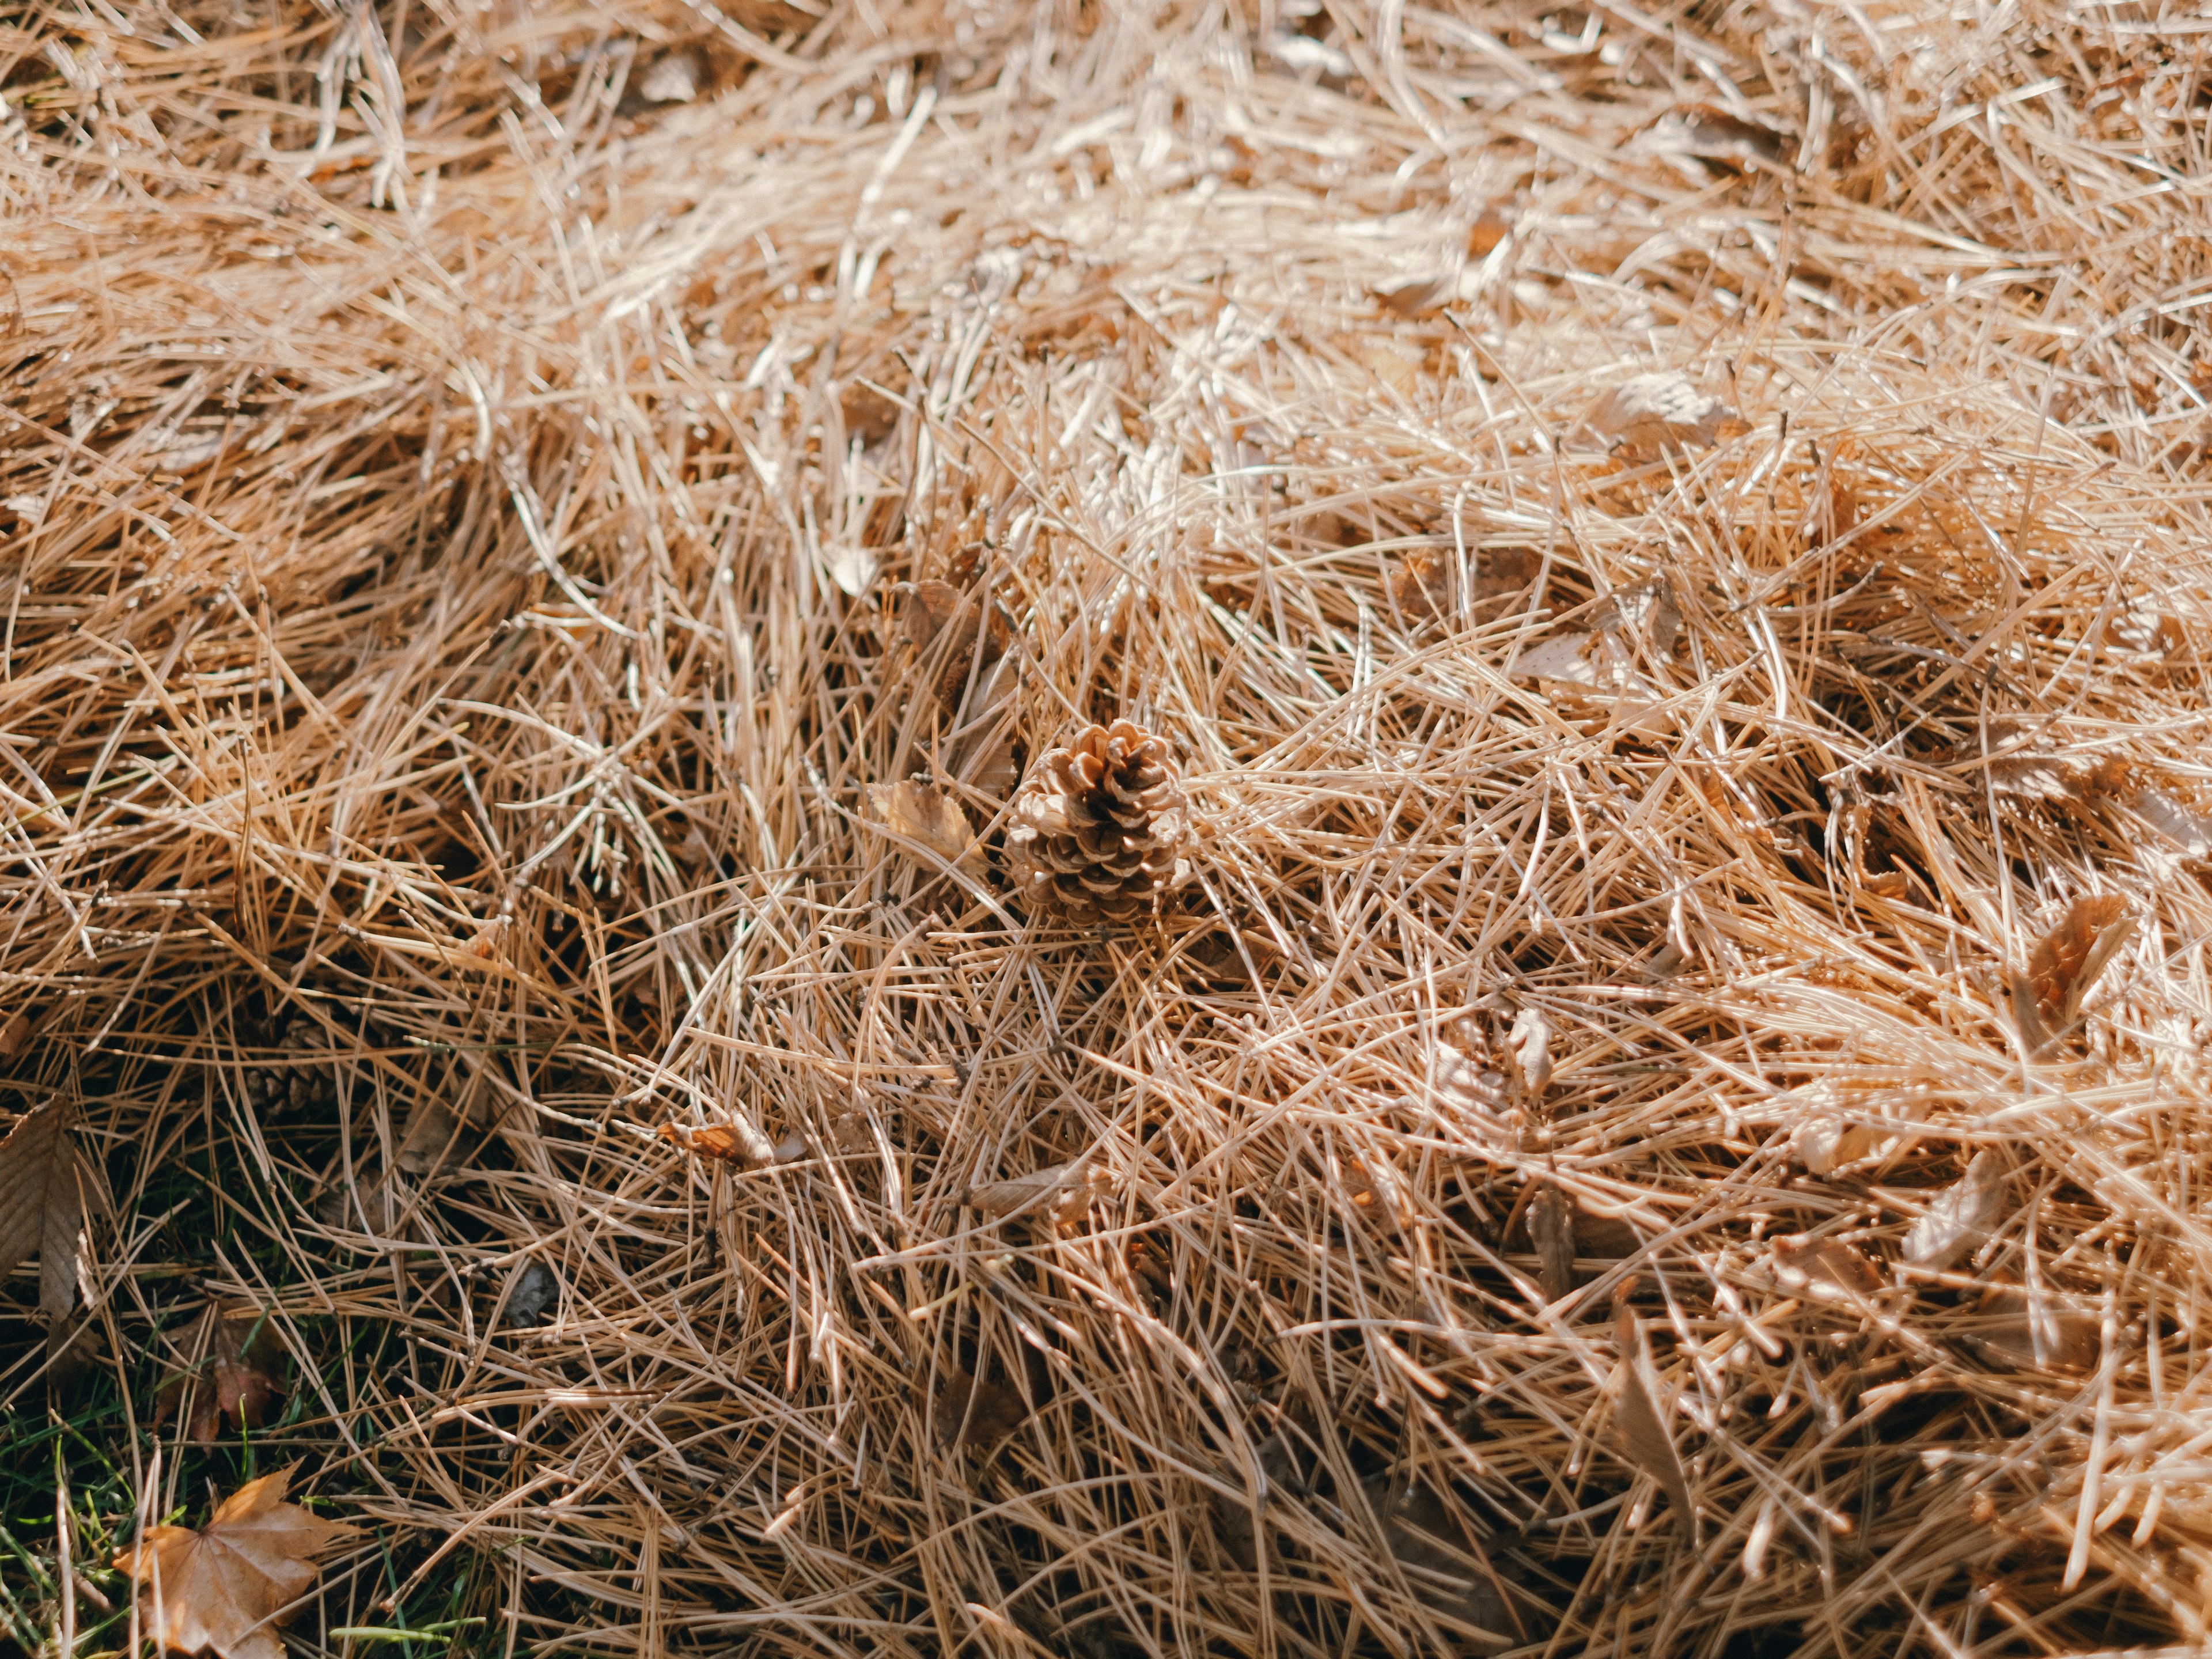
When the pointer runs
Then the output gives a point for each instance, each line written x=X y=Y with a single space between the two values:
x=1363 y=525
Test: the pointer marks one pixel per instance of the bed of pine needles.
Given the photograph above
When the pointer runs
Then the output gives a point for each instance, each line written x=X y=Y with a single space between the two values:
x=1621 y=1143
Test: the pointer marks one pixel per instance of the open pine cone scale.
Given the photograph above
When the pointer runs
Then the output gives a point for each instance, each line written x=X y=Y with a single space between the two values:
x=1097 y=827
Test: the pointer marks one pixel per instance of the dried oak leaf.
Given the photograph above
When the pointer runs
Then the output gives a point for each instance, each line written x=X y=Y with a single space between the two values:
x=46 y=1185
x=224 y=1586
x=229 y=1374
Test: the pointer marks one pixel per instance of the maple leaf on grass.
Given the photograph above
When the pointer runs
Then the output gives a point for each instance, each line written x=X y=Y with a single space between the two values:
x=45 y=1187
x=231 y=1359
x=224 y=1586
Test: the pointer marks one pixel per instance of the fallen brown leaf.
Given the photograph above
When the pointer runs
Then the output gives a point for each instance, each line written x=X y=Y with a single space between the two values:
x=970 y=1413
x=1643 y=416
x=921 y=811
x=1442 y=1564
x=45 y=1187
x=1638 y=1422
x=224 y=1586
x=1552 y=1230
x=945 y=624
x=1961 y=1216
x=230 y=1375
x=2065 y=964
x=2026 y=1332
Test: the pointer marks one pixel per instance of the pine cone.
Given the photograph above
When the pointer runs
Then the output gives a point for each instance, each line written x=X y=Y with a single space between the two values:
x=1097 y=825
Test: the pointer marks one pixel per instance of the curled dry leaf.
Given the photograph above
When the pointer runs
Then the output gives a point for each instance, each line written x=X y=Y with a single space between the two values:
x=1962 y=1216
x=1529 y=1049
x=1825 y=1143
x=1474 y=1098
x=1824 y=1269
x=725 y=1142
x=1598 y=669
x=2028 y=1332
x=231 y=1357
x=1067 y=1187
x=1442 y=1564
x=675 y=79
x=2065 y=964
x=45 y=1187
x=221 y=1587
x=921 y=811
x=1639 y=1420
x=950 y=627
x=1552 y=1230
x=1650 y=413
x=1712 y=134
x=1228 y=959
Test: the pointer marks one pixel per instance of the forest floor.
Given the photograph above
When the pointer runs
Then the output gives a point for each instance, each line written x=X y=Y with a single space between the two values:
x=1646 y=1099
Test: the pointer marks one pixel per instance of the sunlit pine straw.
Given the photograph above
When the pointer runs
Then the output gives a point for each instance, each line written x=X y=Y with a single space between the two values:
x=454 y=509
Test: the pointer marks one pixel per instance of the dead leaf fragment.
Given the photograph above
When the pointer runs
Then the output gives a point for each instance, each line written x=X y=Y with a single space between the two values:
x=221 y=1587
x=1068 y=1188
x=2067 y=961
x=2026 y=1332
x=1638 y=1421
x=1529 y=1049
x=1442 y=1563
x=1961 y=1216
x=13 y=1035
x=725 y=1142
x=673 y=80
x=46 y=1186
x=1552 y=1230
x=1825 y=1143
x=1643 y=416
x=1824 y=1269
x=948 y=626
x=921 y=811
x=228 y=1376
x=970 y=1413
